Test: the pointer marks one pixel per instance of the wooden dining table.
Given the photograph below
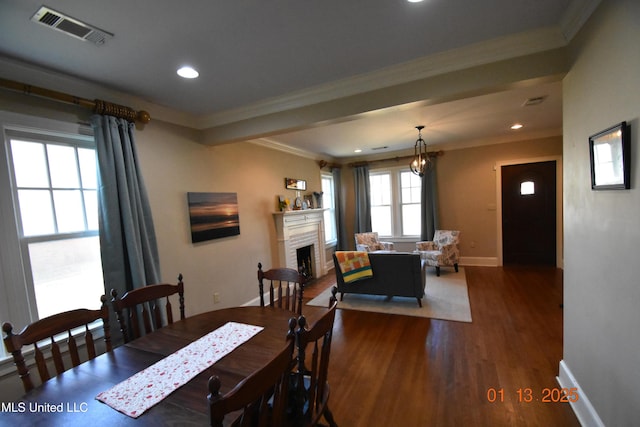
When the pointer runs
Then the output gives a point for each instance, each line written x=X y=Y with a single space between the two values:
x=69 y=398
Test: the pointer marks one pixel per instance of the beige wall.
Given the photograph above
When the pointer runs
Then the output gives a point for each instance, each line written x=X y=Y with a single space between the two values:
x=173 y=164
x=467 y=190
x=467 y=193
x=602 y=232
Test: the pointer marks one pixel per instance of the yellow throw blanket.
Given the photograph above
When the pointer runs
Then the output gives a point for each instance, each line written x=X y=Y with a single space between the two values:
x=354 y=265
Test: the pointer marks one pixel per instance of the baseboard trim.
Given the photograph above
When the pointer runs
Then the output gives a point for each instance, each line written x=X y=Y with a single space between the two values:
x=255 y=301
x=479 y=261
x=583 y=408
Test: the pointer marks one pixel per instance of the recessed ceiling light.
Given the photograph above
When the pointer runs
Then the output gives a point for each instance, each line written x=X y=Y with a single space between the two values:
x=517 y=126
x=357 y=150
x=414 y=1
x=188 y=73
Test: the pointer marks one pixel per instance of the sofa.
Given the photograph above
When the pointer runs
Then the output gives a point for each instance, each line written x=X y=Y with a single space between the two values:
x=394 y=274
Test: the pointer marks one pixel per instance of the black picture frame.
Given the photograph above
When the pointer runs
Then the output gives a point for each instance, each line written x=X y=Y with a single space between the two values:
x=610 y=154
x=295 y=184
x=213 y=216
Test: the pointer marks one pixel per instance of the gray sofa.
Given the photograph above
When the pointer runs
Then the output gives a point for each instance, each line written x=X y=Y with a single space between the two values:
x=394 y=274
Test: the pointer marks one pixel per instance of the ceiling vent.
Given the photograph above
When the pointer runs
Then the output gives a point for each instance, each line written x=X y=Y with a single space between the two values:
x=73 y=27
x=534 y=101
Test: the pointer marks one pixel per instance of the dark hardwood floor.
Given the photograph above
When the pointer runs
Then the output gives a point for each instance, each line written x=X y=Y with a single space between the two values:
x=389 y=370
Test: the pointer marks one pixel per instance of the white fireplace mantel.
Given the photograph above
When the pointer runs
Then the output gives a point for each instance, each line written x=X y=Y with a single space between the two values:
x=297 y=229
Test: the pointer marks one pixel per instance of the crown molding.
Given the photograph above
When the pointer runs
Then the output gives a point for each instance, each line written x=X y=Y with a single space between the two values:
x=575 y=17
x=279 y=146
x=494 y=50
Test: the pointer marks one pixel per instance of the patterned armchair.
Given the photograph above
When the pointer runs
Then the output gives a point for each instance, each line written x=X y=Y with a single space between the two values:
x=442 y=251
x=369 y=242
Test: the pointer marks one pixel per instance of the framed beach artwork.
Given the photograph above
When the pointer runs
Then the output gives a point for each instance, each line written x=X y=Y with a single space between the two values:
x=213 y=215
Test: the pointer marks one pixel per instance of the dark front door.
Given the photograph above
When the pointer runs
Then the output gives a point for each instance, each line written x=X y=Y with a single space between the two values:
x=529 y=213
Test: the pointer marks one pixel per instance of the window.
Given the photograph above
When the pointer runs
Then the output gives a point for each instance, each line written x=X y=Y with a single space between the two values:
x=328 y=202
x=48 y=188
x=411 y=189
x=527 y=188
x=381 y=214
x=395 y=202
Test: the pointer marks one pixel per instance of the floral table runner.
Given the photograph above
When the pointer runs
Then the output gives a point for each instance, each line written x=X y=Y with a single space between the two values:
x=138 y=393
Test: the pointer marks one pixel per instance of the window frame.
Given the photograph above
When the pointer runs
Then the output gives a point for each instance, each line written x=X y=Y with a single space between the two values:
x=331 y=209
x=396 y=203
x=15 y=269
x=390 y=206
x=402 y=203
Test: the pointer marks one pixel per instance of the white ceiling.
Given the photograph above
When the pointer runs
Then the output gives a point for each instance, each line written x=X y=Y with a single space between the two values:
x=257 y=56
x=471 y=121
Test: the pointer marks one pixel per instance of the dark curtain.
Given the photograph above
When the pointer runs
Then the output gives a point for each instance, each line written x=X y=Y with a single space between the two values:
x=363 y=199
x=429 y=202
x=127 y=237
x=341 y=232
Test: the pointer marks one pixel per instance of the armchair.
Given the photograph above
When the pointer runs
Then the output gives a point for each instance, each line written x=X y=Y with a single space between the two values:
x=369 y=242
x=441 y=251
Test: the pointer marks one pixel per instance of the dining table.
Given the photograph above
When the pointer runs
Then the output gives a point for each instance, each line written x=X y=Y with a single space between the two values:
x=69 y=399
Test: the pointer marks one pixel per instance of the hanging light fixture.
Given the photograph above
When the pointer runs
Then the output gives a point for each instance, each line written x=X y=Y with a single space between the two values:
x=420 y=162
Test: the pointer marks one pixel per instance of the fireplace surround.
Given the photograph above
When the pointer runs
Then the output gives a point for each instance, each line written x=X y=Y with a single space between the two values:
x=297 y=229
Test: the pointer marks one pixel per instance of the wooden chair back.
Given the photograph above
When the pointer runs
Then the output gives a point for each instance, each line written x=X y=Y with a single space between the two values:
x=144 y=308
x=45 y=335
x=286 y=288
x=312 y=386
x=262 y=398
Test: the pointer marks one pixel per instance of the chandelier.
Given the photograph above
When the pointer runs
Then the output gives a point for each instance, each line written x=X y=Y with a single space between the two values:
x=420 y=162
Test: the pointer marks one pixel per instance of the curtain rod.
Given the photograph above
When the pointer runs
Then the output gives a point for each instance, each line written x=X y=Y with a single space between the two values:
x=97 y=106
x=323 y=164
x=397 y=159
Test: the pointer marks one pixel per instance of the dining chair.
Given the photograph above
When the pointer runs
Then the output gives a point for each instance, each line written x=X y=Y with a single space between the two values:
x=47 y=334
x=311 y=391
x=143 y=305
x=261 y=397
x=286 y=287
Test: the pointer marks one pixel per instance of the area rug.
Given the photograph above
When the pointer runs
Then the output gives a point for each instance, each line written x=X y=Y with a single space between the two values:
x=446 y=298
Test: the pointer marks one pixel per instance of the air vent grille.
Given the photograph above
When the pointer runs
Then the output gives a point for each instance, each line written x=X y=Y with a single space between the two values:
x=534 y=101
x=49 y=19
x=71 y=26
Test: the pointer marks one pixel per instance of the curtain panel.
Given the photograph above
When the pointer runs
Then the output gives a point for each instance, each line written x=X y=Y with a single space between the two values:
x=342 y=242
x=363 y=199
x=429 y=202
x=127 y=237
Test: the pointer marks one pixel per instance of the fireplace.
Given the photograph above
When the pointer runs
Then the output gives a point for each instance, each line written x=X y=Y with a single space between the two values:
x=301 y=229
x=304 y=256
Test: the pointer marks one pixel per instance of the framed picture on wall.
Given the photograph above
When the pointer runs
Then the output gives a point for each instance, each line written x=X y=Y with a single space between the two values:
x=610 y=154
x=213 y=215
x=295 y=184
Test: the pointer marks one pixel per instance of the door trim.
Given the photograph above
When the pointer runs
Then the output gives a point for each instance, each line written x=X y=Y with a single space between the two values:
x=559 y=224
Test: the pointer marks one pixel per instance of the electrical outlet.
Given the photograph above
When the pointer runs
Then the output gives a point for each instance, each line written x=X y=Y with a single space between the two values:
x=216 y=298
